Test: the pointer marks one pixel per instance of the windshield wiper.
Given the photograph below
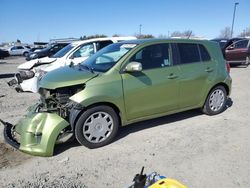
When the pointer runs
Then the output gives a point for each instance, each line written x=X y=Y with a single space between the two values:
x=86 y=67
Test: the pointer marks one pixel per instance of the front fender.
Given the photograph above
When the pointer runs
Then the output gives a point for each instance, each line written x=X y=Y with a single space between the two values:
x=103 y=89
x=38 y=133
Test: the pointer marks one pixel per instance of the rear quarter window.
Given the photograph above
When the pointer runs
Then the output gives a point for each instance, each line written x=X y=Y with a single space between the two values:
x=189 y=53
x=204 y=53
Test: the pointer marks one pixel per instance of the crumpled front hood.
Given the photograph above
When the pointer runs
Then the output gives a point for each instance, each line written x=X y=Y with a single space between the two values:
x=65 y=76
x=30 y=64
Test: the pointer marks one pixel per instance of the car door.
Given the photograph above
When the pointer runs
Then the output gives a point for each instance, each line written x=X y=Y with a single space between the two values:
x=82 y=53
x=14 y=50
x=155 y=89
x=193 y=74
x=237 y=52
x=20 y=50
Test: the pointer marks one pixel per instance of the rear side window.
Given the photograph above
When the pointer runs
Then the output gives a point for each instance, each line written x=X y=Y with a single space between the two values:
x=102 y=44
x=189 y=53
x=204 y=53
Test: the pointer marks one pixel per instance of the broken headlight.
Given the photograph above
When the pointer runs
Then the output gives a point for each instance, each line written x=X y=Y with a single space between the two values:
x=26 y=74
x=44 y=93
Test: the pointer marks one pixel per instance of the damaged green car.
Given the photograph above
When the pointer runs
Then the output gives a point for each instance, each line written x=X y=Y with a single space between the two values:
x=122 y=83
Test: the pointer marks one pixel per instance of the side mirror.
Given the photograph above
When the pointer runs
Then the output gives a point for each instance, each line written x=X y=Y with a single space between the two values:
x=231 y=47
x=133 y=67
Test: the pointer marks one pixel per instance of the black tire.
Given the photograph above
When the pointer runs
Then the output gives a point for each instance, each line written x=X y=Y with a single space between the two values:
x=25 y=54
x=207 y=109
x=247 y=60
x=81 y=137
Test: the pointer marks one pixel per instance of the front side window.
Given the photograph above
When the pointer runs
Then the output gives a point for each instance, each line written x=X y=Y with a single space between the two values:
x=84 y=51
x=19 y=47
x=189 y=53
x=107 y=57
x=241 y=44
x=154 y=56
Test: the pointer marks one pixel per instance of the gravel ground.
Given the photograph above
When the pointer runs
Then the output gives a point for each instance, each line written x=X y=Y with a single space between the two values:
x=196 y=149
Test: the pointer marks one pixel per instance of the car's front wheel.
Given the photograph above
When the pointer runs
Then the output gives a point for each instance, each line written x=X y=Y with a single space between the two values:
x=216 y=101
x=97 y=126
x=247 y=60
x=25 y=54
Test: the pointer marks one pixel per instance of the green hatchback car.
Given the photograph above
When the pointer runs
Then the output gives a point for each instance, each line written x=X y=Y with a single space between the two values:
x=123 y=83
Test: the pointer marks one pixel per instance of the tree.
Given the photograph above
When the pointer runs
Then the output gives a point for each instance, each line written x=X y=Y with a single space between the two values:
x=83 y=37
x=163 y=36
x=184 y=34
x=245 y=32
x=146 y=36
x=96 y=36
x=188 y=33
x=176 y=34
x=225 y=33
x=116 y=35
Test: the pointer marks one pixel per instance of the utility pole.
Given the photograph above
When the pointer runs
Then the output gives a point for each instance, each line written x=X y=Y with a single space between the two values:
x=232 y=28
x=140 y=29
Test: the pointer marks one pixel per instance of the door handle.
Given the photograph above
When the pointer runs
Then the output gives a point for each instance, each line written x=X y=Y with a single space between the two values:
x=172 y=76
x=209 y=69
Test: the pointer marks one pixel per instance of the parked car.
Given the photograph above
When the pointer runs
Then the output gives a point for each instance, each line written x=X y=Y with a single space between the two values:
x=4 y=53
x=238 y=52
x=77 y=52
x=222 y=42
x=123 y=83
x=36 y=49
x=50 y=50
x=19 y=50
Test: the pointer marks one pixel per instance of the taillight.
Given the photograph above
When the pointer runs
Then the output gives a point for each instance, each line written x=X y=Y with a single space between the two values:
x=228 y=67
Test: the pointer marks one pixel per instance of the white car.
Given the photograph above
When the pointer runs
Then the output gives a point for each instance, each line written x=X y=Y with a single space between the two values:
x=31 y=71
x=18 y=50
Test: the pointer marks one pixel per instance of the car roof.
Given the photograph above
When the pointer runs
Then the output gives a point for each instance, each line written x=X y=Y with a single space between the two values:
x=156 y=40
x=102 y=39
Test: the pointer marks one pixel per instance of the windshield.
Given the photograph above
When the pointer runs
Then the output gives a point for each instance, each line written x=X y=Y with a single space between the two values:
x=47 y=47
x=107 y=57
x=63 y=51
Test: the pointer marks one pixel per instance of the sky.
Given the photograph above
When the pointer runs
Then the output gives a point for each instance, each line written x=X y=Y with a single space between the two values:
x=33 y=20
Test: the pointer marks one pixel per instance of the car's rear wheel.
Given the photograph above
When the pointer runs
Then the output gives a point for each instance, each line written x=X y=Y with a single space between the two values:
x=216 y=101
x=97 y=126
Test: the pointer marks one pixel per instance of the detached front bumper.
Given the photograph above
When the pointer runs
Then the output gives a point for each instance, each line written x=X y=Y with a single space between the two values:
x=8 y=129
x=36 y=133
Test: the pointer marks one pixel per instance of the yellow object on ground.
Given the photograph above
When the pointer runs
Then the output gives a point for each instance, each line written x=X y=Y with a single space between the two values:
x=167 y=183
